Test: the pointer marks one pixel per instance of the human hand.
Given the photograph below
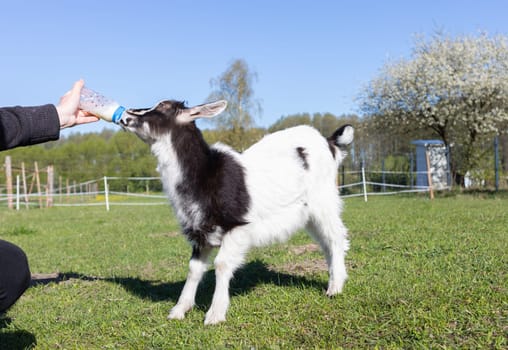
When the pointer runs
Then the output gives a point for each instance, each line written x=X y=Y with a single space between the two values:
x=68 y=110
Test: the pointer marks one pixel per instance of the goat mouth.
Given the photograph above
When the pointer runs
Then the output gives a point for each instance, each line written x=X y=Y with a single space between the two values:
x=126 y=121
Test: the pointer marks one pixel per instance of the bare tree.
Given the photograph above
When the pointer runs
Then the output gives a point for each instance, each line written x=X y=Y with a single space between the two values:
x=235 y=85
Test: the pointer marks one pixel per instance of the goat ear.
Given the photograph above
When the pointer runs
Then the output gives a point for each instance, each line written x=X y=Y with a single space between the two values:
x=143 y=111
x=207 y=110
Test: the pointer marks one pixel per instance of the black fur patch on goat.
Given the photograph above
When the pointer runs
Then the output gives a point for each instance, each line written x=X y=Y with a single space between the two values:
x=303 y=156
x=212 y=179
x=331 y=146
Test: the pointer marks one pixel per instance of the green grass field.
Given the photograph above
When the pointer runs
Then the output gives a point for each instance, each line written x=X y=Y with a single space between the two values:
x=423 y=274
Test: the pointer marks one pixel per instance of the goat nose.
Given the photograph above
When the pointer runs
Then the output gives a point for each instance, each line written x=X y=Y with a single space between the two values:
x=125 y=121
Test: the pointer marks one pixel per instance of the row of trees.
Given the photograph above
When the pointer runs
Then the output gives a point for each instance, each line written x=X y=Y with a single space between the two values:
x=90 y=156
x=84 y=157
x=454 y=89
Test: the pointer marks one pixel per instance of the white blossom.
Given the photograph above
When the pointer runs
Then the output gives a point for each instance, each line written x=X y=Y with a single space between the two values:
x=457 y=87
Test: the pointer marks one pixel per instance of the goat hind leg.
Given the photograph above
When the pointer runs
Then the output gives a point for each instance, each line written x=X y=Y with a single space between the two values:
x=331 y=234
x=198 y=265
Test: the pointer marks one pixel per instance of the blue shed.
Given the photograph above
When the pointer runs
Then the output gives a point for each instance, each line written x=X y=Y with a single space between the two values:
x=438 y=157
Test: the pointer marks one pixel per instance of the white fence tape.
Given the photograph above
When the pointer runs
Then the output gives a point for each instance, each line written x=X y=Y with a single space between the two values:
x=73 y=198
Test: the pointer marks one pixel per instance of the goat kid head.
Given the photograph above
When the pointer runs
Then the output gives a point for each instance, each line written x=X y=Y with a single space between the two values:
x=151 y=123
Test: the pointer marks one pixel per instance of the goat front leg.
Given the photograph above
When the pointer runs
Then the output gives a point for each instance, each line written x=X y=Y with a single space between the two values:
x=197 y=267
x=229 y=259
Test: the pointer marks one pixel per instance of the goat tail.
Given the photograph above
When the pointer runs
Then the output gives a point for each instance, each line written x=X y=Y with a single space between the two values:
x=343 y=136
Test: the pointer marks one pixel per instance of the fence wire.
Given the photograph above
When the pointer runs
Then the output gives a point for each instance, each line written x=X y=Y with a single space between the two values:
x=98 y=191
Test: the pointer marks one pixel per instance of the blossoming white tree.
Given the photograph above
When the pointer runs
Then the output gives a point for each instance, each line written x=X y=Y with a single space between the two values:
x=455 y=87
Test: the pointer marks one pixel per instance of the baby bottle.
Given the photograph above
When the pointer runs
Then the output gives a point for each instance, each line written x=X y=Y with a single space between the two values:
x=100 y=105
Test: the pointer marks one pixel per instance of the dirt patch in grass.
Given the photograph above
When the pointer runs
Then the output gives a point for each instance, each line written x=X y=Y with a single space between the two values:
x=306 y=248
x=308 y=266
x=45 y=277
x=164 y=234
x=302 y=268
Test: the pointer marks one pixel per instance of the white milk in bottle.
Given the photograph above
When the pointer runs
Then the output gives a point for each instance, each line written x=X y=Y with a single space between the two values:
x=100 y=105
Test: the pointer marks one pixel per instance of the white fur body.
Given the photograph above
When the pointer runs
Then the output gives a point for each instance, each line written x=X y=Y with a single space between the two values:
x=285 y=195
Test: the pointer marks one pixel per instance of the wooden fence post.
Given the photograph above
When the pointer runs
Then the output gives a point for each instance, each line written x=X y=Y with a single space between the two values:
x=38 y=182
x=50 y=189
x=23 y=177
x=429 y=174
x=60 y=189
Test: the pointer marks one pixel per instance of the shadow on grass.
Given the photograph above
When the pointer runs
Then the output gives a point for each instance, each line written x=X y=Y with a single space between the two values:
x=246 y=278
x=16 y=339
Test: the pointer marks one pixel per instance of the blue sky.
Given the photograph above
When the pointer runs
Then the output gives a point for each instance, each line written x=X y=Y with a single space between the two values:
x=310 y=56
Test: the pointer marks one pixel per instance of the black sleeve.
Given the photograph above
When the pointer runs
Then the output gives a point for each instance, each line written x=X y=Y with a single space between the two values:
x=23 y=126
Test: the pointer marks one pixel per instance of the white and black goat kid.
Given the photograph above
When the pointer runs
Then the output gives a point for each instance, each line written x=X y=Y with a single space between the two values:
x=236 y=201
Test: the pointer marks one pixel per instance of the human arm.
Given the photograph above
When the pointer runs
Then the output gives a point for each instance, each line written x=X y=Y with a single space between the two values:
x=23 y=126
